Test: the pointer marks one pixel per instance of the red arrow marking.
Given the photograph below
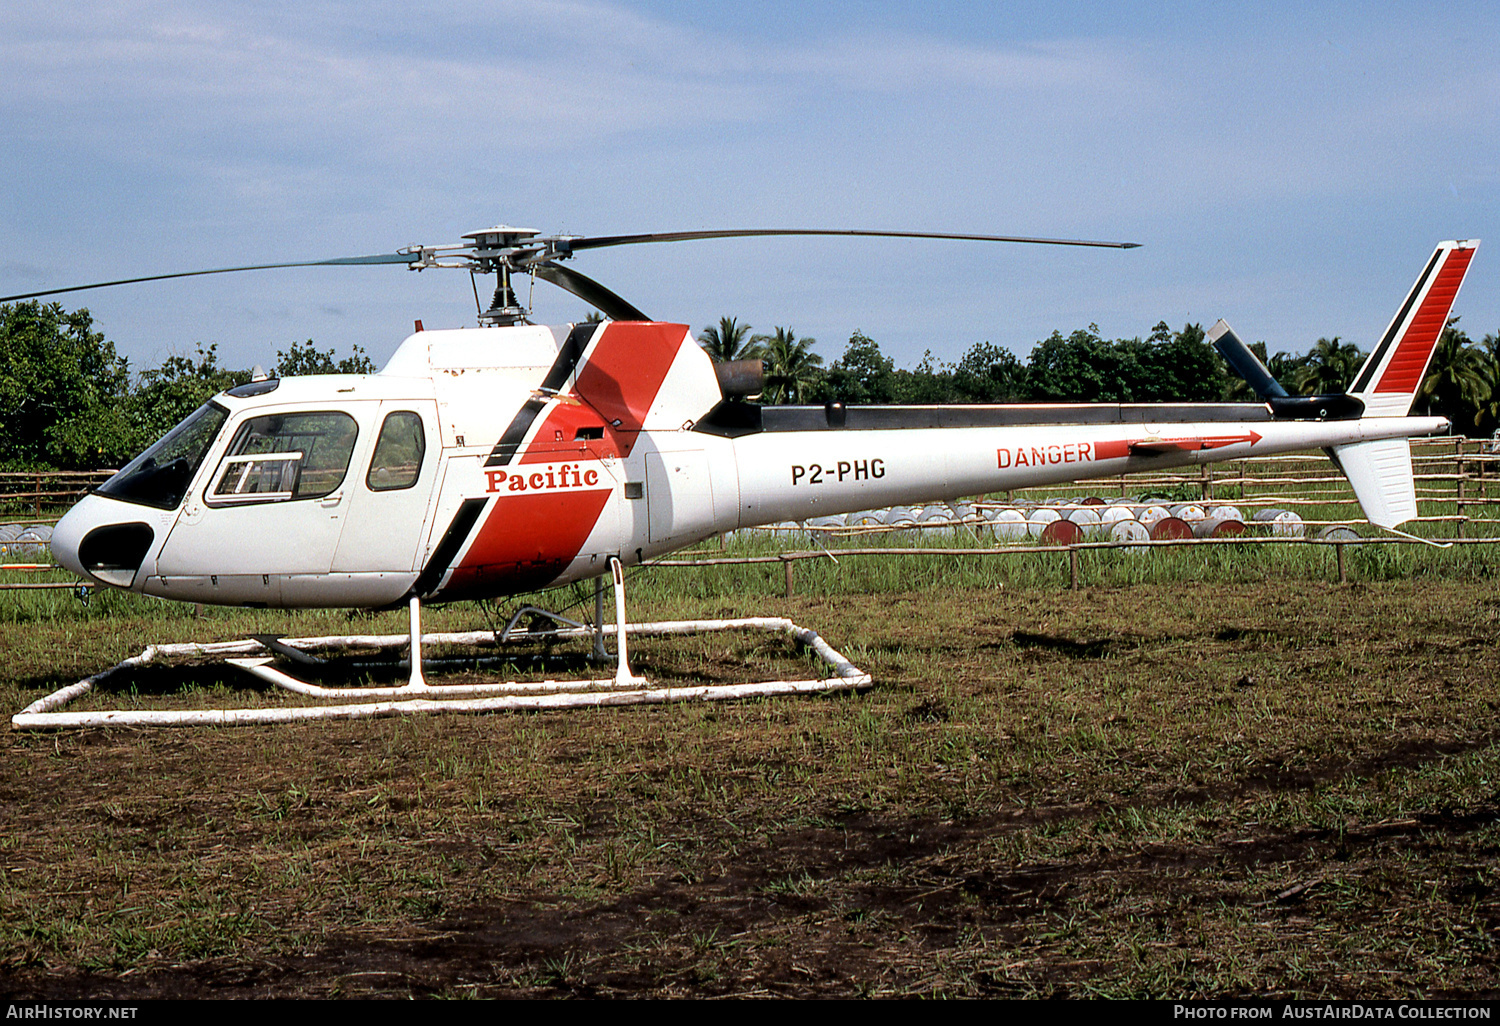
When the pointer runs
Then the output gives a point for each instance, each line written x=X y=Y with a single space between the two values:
x=1148 y=446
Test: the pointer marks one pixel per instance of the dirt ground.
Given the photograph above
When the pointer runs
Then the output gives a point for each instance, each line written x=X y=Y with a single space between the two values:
x=1125 y=793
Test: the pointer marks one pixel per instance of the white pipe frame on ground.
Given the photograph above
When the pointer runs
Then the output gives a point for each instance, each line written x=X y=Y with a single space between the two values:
x=419 y=697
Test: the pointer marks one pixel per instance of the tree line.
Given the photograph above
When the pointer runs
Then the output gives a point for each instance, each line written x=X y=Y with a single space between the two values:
x=69 y=401
x=1462 y=382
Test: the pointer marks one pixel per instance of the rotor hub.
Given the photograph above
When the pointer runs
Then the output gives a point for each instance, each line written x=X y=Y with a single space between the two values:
x=501 y=242
x=499 y=250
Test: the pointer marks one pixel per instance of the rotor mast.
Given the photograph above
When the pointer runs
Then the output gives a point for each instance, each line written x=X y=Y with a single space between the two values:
x=494 y=252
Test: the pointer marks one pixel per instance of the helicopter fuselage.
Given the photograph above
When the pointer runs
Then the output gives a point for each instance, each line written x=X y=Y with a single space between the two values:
x=493 y=461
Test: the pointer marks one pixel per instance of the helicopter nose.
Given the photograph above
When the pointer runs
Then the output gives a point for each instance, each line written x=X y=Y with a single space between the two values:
x=94 y=540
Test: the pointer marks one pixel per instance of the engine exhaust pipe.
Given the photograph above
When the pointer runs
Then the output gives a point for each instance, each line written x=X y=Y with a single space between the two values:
x=741 y=379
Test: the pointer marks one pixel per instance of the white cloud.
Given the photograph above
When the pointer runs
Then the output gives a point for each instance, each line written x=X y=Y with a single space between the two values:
x=239 y=131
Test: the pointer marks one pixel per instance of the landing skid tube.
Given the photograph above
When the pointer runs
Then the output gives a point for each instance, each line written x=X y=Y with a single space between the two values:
x=419 y=697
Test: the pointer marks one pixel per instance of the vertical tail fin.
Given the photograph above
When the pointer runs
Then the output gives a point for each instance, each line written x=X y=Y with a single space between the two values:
x=1380 y=471
x=1388 y=382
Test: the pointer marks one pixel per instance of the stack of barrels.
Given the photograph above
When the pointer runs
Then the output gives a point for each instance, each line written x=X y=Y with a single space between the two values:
x=1070 y=521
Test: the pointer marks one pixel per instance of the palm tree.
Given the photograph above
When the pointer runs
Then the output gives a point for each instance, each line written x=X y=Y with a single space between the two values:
x=1284 y=366
x=791 y=365
x=726 y=343
x=1330 y=367
x=1459 y=379
x=1487 y=418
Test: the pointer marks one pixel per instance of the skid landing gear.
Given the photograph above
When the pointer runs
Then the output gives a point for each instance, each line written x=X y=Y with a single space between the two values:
x=417 y=696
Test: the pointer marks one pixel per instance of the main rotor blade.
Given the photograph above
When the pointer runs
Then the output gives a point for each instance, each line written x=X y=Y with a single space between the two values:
x=380 y=258
x=588 y=290
x=625 y=240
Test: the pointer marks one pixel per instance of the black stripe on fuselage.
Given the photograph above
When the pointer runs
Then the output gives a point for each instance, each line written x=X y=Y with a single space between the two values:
x=569 y=355
x=447 y=551
x=510 y=442
x=557 y=376
x=1362 y=383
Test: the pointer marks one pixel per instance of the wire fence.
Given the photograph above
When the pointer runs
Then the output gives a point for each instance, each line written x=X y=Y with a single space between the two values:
x=30 y=503
x=1457 y=480
x=41 y=497
x=1457 y=487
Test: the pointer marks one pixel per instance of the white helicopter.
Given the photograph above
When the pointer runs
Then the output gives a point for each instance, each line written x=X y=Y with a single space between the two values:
x=511 y=457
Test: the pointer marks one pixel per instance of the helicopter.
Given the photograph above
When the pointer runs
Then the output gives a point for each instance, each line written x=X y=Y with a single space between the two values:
x=511 y=457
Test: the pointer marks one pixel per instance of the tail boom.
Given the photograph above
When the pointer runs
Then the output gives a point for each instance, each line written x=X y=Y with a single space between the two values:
x=796 y=475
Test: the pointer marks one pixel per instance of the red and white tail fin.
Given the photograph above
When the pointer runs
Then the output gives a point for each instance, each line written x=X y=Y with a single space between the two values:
x=1380 y=471
x=1388 y=382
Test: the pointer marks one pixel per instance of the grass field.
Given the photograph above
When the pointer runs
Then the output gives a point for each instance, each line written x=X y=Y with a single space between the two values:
x=1204 y=773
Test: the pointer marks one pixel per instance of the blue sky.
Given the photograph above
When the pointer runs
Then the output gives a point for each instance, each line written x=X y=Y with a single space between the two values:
x=1286 y=166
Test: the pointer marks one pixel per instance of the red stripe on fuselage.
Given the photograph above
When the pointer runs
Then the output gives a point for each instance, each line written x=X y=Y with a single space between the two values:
x=623 y=371
x=1404 y=372
x=525 y=541
x=557 y=438
x=1147 y=446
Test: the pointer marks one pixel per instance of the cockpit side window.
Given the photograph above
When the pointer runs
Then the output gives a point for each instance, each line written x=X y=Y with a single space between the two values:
x=160 y=476
x=397 y=462
x=285 y=456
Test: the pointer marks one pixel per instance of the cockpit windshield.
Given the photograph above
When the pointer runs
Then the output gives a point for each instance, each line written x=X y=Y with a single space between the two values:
x=160 y=476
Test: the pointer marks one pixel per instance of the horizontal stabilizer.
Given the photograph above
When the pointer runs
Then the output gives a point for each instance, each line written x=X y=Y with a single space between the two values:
x=1380 y=473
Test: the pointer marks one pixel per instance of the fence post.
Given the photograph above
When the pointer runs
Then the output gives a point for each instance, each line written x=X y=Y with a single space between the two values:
x=1458 y=481
x=787 y=564
x=1338 y=548
x=1072 y=568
